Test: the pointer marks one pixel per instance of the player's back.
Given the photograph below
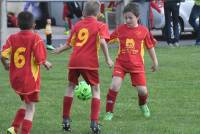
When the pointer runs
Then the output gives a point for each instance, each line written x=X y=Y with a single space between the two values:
x=22 y=44
x=85 y=42
x=24 y=71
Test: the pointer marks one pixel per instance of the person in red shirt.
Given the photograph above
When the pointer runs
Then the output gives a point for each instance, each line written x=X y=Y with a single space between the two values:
x=22 y=55
x=70 y=9
x=132 y=38
x=153 y=5
x=86 y=37
x=11 y=20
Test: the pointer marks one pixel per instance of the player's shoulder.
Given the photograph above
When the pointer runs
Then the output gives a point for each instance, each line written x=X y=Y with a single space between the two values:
x=37 y=36
x=121 y=26
x=143 y=28
x=80 y=22
x=100 y=22
x=101 y=25
x=13 y=35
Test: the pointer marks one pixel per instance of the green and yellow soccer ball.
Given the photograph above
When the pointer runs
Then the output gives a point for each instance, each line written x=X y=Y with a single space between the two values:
x=83 y=91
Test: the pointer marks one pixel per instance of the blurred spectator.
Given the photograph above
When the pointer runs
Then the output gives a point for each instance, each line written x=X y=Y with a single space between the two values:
x=171 y=21
x=69 y=10
x=195 y=13
x=145 y=12
x=112 y=5
x=153 y=5
x=40 y=10
x=35 y=9
x=144 y=7
x=11 y=20
x=44 y=8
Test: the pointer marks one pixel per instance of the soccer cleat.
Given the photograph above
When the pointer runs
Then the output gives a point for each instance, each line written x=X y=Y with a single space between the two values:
x=66 y=125
x=66 y=32
x=95 y=127
x=145 y=110
x=50 y=47
x=108 y=116
x=171 y=45
x=10 y=130
x=176 y=44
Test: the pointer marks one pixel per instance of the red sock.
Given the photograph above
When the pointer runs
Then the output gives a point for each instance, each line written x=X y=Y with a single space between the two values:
x=142 y=99
x=110 y=100
x=67 y=102
x=95 y=109
x=19 y=117
x=26 y=127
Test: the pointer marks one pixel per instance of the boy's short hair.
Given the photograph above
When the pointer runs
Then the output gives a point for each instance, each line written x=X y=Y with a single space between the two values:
x=25 y=20
x=91 y=8
x=132 y=7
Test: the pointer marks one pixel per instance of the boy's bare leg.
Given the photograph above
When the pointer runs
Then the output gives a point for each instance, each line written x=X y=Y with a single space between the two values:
x=27 y=123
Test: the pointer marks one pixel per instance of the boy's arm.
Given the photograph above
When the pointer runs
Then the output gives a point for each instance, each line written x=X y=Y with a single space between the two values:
x=70 y=42
x=104 y=48
x=153 y=56
x=5 y=63
x=5 y=54
x=61 y=49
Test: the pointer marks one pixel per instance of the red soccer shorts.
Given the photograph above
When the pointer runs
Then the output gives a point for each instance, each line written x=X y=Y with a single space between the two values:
x=90 y=76
x=137 y=78
x=33 y=97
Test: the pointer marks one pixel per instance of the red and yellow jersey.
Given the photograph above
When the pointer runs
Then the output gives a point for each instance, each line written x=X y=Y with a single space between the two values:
x=26 y=51
x=131 y=49
x=85 y=42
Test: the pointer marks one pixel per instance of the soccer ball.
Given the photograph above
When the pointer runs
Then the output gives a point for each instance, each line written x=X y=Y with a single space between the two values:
x=83 y=91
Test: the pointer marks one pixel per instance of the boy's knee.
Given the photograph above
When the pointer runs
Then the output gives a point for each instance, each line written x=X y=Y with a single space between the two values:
x=30 y=107
x=96 y=91
x=115 y=87
x=142 y=90
x=71 y=85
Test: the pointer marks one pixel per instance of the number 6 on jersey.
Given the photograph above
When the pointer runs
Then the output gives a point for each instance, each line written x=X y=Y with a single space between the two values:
x=19 y=59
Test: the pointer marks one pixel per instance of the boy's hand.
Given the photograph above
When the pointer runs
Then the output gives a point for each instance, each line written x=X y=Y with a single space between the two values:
x=6 y=67
x=154 y=67
x=57 y=50
x=47 y=65
x=61 y=48
x=109 y=62
x=6 y=63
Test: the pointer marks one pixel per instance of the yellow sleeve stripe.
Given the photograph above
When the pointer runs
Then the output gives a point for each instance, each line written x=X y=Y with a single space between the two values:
x=6 y=53
x=34 y=67
x=73 y=40
x=142 y=51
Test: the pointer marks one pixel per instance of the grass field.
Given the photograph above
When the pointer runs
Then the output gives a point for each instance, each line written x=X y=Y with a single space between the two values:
x=174 y=98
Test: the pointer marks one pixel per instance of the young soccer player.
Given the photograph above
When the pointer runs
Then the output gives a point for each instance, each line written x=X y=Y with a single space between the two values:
x=22 y=55
x=132 y=38
x=86 y=37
